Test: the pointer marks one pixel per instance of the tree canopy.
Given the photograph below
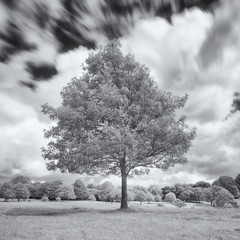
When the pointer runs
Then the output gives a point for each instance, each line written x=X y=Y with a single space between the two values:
x=115 y=120
x=229 y=184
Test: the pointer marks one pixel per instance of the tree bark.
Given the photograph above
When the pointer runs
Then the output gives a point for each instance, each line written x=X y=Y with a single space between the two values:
x=124 y=203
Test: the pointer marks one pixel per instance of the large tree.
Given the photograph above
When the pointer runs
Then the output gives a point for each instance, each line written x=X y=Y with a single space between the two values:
x=115 y=120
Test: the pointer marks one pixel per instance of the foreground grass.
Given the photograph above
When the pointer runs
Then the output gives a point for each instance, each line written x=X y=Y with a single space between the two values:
x=97 y=220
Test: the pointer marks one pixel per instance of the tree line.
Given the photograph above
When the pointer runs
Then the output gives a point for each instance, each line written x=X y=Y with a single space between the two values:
x=221 y=192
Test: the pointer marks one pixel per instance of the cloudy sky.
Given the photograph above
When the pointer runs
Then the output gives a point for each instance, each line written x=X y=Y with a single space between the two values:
x=197 y=54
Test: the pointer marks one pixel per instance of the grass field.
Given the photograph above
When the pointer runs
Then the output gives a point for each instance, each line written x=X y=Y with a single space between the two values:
x=81 y=220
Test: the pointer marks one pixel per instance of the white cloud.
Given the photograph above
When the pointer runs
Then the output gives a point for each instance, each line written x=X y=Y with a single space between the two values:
x=174 y=56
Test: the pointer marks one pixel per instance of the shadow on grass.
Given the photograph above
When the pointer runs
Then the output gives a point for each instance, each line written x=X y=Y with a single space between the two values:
x=62 y=212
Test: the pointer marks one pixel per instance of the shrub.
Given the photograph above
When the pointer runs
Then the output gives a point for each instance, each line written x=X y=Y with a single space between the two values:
x=170 y=197
x=44 y=198
x=179 y=203
x=158 y=198
x=58 y=199
x=91 y=197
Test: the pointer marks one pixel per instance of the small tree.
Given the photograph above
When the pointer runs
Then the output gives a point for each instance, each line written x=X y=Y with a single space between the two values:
x=115 y=120
x=37 y=192
x=6 y=191
x=44 y=198
x=91 y=197
x=208 y=195
x=155 y=190
x=53 y=189
x=140 y=196
x=80 y=190
x=66 y=193
x=170 y=197
x=21 y=191
x=106 y=192
x=158 y=198
x=150 y=197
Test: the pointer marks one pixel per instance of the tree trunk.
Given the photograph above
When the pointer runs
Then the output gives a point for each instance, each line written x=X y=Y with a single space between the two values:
x=124 y=203
x=18 y=199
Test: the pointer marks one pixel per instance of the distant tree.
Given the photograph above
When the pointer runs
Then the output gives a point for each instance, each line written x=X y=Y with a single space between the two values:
x=91 y=186
x=66 y=193
x=44 y=198
x=80 y=190
x=237 y=181
x=215 y=189
x=155 y=190
x=170 y=197
x=130 y=195
x=8 y=194
x=202 y=184
x=6 y=191
x=150 y=197
x=38 y=190
x=20 y=191
x=91 y=197
x=94 y=192
x=31 y=189
x=140 y=196
x=224 y=197
x=118 y=195
x=1 y=196
x=166 y=190
x=208 y=195
x=229 y=184
x=106 y=192
x=198 y=194
x=157 y=198
x=140 y=188
x=180 y=188
x=52 y=189
x=185 y=192
x=116 y=120
x=20 y=179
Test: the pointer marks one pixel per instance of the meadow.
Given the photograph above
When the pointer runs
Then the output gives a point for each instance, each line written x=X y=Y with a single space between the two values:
x=85 y=220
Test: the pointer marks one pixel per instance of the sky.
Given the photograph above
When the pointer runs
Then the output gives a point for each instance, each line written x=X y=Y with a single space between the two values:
x=197 y=53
